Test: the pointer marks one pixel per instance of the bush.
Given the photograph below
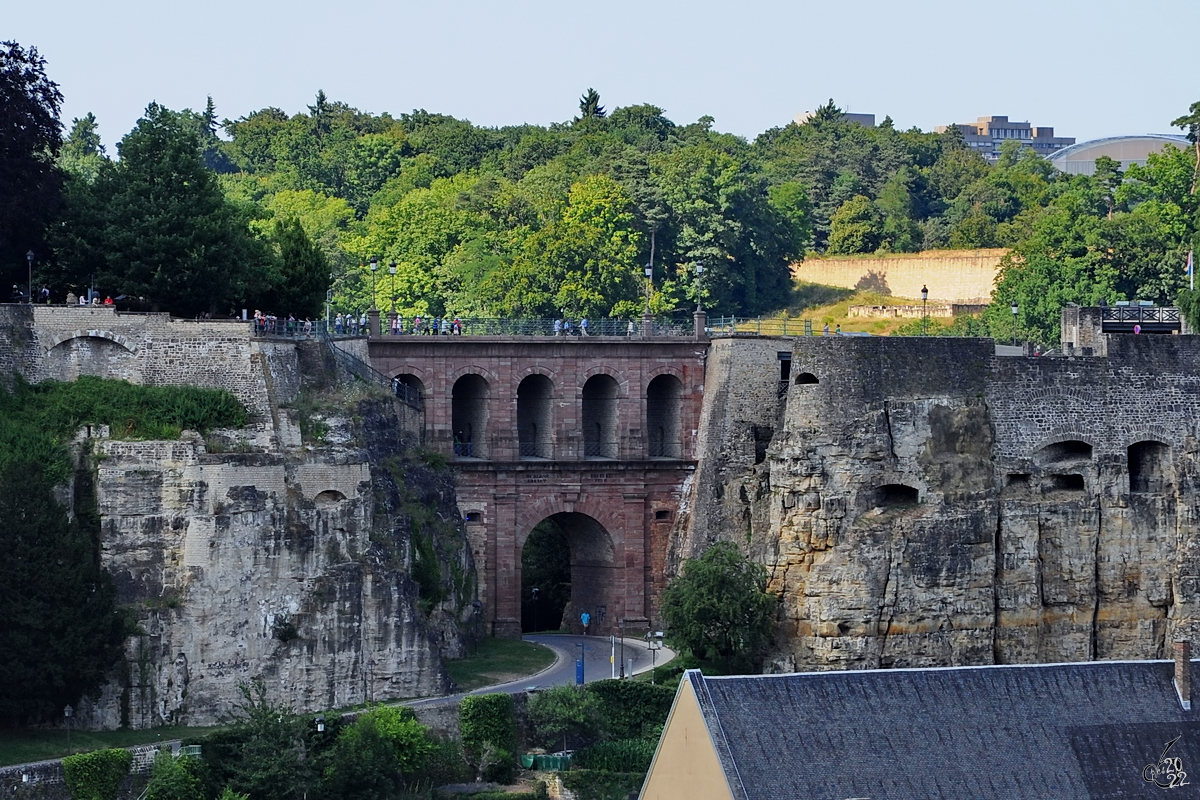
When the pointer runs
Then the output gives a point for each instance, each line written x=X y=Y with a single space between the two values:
x=98 y=775
x=594 y=784
x=488 y=725
x=564 y=716
x=174 y=778
x=631 y=709
x=444 y=764
x=622 y=755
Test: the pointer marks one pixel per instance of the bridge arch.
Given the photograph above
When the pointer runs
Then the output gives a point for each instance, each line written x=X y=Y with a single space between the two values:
x=469 y=412
x=569 y=567
x=116 y=338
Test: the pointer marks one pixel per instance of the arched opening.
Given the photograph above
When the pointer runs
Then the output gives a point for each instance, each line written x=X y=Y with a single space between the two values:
x=1059 y=452
x=410 y=389
x=101 y=356
x=1149 y=467
x=567 y=570
x=469 y=412
x=896 y=495
x=329 y=497
x=664 y=398
x=533 y=416
x=600 y=417
x=806 y=379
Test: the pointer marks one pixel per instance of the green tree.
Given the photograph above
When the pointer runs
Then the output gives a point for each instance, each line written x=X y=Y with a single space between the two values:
x=589 y=106
x=372 y=757
x=82 y=153
x=30 y=138
x=1190 y=123
x=856 y=227
x=174 y=778
x=62 y=632
x=563 y=717
x=156 y=225
x=1108 y=178
x=303 y=272
x=719 y=609
x=271 y=763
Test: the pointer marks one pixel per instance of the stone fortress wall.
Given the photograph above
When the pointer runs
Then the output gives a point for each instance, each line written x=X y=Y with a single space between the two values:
x=925 y=502
x=952 y=276
x=217 y=553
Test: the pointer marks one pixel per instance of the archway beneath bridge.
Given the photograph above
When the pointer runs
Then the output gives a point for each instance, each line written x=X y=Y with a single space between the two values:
x=569 y=559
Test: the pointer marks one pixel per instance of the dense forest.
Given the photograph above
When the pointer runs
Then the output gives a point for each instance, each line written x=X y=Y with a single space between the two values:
x=202 y=214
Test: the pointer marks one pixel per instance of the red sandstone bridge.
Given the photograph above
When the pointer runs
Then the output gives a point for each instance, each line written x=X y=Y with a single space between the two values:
x=596 y=433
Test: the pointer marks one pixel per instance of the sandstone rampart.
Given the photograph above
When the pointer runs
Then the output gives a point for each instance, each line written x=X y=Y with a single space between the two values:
x=952 y=276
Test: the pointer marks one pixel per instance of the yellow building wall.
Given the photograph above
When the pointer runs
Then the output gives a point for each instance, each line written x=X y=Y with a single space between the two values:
x=953 y=276
x=685 y=765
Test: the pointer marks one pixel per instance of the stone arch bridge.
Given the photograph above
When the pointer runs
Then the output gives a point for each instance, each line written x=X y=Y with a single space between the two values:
x=597 y=432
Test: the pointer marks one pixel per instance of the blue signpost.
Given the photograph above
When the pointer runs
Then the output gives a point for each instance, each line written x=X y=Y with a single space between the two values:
x=579 y=665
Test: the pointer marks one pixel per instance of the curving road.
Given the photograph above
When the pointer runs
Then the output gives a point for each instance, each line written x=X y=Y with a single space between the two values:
x=596 y=649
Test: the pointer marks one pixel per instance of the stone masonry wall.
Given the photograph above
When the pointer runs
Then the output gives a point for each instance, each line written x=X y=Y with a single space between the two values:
x=952 y=276
x=929 y=503
x=65 y=342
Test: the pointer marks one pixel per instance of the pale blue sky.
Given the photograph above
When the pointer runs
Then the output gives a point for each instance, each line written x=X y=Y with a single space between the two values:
x=1088 y=69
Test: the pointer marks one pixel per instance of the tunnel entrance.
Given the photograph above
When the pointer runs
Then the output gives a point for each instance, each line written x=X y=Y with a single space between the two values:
x=567 y=569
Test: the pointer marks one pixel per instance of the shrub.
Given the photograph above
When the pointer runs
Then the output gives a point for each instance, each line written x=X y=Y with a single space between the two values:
x=174 y=778
x=98 y=775
x=488 y=725
x=563 y=713
x=444 y=764
x=594 y=784
x=630 y=709
x=622 y=755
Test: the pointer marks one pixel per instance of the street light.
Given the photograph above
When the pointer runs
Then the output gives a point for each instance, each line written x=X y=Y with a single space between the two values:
x=699 y=272
x=29 y=258
x=924 y=316
x=374 y=266
x=1015 y=309
x=320 y=724
x=68 y=712
x=654 y=642
x=534 y=603
x=392 y=270
x=649 y=284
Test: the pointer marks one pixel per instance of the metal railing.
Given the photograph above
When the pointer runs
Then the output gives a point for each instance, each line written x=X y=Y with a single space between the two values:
x=758 y=326
x=475 y=326
x=365 y=372
x=1140 y=314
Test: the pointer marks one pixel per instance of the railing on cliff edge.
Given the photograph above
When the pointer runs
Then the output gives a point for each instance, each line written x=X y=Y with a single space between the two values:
x=758 y=326
x=360 y=369
x=475 y=326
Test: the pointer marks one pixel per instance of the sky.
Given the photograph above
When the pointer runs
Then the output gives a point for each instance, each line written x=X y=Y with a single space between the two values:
x=1087 y=68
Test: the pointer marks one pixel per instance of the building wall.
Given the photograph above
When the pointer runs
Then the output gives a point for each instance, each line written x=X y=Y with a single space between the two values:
x=952 y=276
x=685 y=765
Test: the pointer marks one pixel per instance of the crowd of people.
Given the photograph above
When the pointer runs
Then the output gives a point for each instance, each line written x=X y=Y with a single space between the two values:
x=42 y=297
x=271 y=325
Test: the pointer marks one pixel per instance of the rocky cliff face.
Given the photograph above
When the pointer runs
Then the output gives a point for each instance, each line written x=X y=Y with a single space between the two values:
x=334 y=567
x=922 y=502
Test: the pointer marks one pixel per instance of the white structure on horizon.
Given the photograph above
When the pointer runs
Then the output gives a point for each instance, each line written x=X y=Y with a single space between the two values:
x=1080 y=159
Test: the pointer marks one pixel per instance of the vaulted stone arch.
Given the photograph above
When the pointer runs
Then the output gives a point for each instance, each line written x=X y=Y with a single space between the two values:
x=57 y=339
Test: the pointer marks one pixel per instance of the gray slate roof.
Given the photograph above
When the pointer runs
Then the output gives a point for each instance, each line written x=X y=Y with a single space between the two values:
x=1083 y=730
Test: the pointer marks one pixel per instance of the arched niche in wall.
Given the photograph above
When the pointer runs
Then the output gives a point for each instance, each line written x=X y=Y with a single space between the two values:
x=664 y=405
x=599 y=415
x=1149 y=467
x=806 y=379
x=469 y=416
x=534 y=423
x=1064 y=452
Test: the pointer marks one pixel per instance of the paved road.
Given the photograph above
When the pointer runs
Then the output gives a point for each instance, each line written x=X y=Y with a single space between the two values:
x=597 y=650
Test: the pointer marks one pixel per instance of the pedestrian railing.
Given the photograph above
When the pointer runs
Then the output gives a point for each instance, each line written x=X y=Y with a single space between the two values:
x=759 y=326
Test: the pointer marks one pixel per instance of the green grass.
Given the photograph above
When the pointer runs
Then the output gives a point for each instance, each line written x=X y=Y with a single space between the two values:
x=499 y=661
x=22 y=745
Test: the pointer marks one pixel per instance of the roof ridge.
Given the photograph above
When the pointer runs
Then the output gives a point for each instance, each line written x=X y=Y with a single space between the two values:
x=887 y=670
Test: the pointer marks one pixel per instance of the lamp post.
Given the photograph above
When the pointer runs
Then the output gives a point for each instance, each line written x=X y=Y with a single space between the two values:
x=320 y=724
x=699 y=273
x=392 y=272
x=654 y=641
x=924 y=315
x=1015 y=309
x=29 y=258
x=534 y=603
x=68 y=712
x=374 y=266
x=649 y=284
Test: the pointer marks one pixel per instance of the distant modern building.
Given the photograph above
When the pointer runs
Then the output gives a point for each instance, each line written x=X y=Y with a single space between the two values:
x=866 y=120
x=988 y=133
x=1080 y=159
